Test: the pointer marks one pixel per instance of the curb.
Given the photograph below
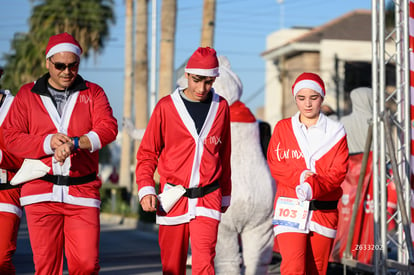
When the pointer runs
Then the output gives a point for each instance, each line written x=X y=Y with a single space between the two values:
x=128 y=222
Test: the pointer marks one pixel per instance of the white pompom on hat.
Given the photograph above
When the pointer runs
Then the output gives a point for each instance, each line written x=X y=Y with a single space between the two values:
x=62 y=42
x=309 y=81
x=203 y=62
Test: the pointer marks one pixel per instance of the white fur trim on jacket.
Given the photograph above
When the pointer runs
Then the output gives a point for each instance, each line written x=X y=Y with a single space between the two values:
x=10 y=208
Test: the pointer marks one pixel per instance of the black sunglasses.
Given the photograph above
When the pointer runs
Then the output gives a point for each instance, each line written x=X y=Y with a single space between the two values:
x=62 y=66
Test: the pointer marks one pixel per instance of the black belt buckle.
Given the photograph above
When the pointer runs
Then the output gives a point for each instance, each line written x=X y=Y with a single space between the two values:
x=194 y=192
x=62 y=180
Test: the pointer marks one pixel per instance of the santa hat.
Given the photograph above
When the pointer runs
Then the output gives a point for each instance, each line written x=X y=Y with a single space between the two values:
x=203 y=62
x=62 y=42
x=310 y=81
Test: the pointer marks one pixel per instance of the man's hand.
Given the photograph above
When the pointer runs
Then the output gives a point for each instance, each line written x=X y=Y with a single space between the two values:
x=149 y=203
x=57 y=140
x=63 y=151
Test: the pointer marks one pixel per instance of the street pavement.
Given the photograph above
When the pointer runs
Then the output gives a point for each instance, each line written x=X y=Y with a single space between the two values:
x=126 y=248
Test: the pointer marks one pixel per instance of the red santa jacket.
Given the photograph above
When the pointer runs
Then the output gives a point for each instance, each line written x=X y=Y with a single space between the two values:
x=290 y=154
x=186 y=158
x=33 y=119
x=9 y=164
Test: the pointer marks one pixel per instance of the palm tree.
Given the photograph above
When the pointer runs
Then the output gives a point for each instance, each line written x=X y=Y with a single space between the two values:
x=167 y=45
x=208 y=24
x=87 y=20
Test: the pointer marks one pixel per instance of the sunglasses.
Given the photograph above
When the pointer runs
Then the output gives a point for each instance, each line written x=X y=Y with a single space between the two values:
x=62 y=66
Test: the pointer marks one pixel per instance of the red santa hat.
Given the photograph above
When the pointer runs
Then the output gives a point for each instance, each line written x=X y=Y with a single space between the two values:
x=203 y=62
x=63 y=42
x=310 y=81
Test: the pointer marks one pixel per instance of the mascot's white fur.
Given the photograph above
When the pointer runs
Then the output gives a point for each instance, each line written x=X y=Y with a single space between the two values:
x=246 y=227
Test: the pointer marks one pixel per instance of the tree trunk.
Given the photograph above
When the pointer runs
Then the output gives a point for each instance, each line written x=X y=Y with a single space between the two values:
x=167 y=45
x=141 y=79
x=125 y=171
x=207 y=28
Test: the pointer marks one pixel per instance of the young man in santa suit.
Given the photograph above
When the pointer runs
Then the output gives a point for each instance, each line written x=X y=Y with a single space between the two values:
x=188 y=140
x=63 y=121
x=308 y=157
x=10 y=209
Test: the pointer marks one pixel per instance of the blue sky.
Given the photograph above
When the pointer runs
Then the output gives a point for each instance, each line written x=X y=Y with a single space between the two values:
x=240 y=34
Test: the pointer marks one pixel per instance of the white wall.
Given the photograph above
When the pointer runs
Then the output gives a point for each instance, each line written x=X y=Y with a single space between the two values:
x=344 y=50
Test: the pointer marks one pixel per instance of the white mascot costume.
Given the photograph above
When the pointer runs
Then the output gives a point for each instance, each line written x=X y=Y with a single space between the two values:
x=245 y=236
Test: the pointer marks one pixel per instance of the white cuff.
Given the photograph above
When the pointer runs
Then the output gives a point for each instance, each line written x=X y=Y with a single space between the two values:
x=95 y=141
x=304 y=192
x=146 y=190
x=46 y=145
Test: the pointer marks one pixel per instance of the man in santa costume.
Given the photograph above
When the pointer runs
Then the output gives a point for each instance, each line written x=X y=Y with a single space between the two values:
x=63 y=121
x=247 y=224
x=10 y=209
x=188 y=140
x=308 y=157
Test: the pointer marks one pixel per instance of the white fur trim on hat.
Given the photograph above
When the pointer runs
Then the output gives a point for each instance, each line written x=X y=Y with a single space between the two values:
x=64 y=47
x=309 y=84
x=204 y=72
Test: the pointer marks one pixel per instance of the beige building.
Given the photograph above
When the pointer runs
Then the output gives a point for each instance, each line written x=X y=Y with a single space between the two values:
x=339 y=51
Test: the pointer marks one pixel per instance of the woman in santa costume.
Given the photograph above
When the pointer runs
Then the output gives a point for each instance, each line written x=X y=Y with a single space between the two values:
x=188 y=140
x=10 y=209
x=62 y=121
x=308 y=157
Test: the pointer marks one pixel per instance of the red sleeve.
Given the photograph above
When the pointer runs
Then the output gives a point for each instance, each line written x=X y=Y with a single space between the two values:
x=17 y=139
x=149 y=150
x=331 y=170
x=7 y=160
x=104 y=123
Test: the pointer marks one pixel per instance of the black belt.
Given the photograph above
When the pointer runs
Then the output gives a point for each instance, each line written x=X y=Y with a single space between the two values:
x=66 y=180
x=6 y=186
x=323 y=205
x=198 y=192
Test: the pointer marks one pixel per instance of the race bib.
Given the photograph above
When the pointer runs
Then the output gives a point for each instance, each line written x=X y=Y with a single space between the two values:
x=3 y=176
x=291 y=212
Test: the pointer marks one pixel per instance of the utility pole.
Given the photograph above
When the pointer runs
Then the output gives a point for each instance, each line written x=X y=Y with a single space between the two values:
x=140 y=79
x=125 y=165
x=153 y=97
x=167 y=45
x=209 y=19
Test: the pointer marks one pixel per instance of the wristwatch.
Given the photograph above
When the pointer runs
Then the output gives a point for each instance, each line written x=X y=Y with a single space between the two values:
x=75 y=143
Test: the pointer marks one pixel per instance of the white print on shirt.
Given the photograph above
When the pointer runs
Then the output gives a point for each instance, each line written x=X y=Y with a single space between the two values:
x=213 y=140
x=84 y=99
x=287 y=153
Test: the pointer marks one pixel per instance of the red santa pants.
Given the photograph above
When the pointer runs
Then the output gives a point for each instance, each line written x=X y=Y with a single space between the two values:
x=54 y=226
x=304 y=253
x=9 y=228
x=173 y=240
